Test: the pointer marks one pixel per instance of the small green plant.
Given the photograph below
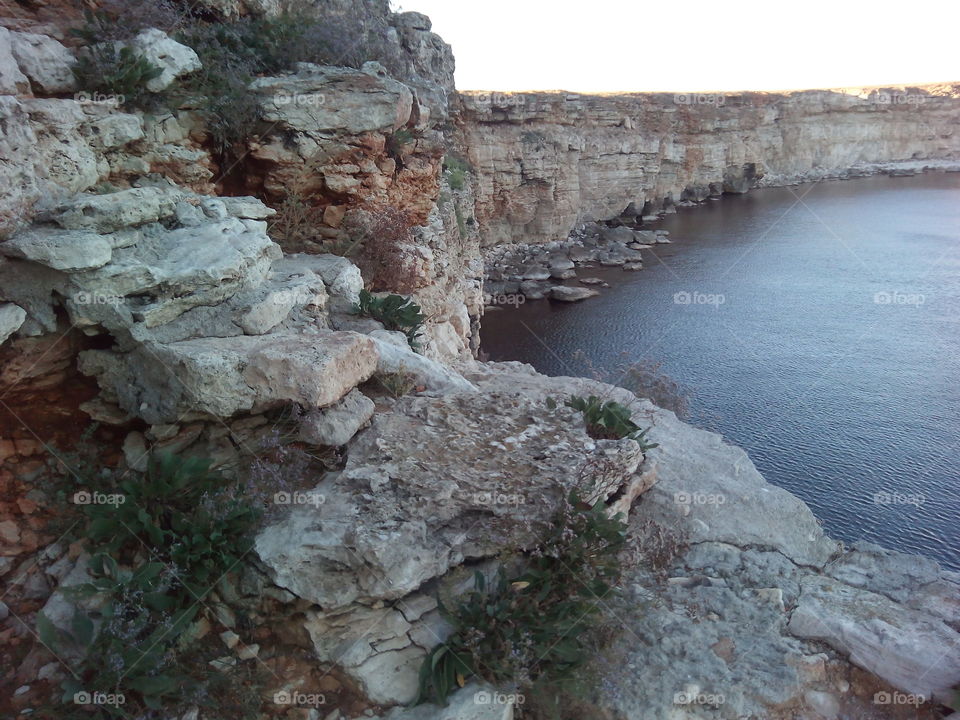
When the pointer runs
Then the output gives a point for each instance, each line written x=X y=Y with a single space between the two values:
x=395 y=312
x=608 y=420
x=121 y=73
x=397 y=384
x=159 y=544
x=180 y=509
x=130 y=655
x=456 y=171
x=534 y=626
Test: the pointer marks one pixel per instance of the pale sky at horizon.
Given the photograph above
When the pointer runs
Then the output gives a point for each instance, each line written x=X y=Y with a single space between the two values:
x=617 y=45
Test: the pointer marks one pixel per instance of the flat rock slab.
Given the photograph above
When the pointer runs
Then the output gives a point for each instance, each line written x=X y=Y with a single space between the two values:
x=911 y=650
x=431 y=484
x=224 y=376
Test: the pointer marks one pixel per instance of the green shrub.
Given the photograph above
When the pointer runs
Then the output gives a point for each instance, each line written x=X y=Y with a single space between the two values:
x=131 y=654
x=158 y=549
x=395 y=312
x=122 y=73
x=533 y=627
x=609 y=420
x=456 y=171
x=184 y=513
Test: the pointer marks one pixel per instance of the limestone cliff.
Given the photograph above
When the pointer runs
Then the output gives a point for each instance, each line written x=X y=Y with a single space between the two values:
x=545 y=161
x=146 y=299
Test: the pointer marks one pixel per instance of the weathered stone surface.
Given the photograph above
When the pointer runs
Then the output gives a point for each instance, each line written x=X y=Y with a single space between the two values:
x=395 y=356
x=335 y=98
x=431 y=484
x=59 y=249
x=45 y=61
x=911 y=650
x=225 y=376
x=335 y=425
x=113 y=211
x=173 y=58
x=11 y=318
x=12 y=79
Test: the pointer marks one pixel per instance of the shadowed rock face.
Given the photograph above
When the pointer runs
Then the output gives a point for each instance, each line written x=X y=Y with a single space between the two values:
x=546 y=160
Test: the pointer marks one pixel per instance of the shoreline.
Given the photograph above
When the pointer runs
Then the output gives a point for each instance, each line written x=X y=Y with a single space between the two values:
x=532 y=270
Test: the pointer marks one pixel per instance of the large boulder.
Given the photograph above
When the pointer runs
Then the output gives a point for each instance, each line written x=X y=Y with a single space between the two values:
x=175 y=60
x=221 y=377
x=11 y=318
x=45 y=61
x=319 y=98
x=12 y=79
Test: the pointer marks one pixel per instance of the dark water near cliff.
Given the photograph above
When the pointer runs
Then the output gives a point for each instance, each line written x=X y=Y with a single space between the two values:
x=833 y=359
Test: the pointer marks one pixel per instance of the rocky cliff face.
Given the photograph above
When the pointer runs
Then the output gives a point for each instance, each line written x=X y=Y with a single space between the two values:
x=143 y=292
x=546 y=161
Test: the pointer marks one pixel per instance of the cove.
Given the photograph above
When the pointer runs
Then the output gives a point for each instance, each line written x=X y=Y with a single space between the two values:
x=816 y=326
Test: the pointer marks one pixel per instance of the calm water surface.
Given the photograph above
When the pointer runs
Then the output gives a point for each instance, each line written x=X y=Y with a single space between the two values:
x=822 y=334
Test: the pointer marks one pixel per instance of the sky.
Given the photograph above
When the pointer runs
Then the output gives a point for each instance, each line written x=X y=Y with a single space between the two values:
x=696 y=45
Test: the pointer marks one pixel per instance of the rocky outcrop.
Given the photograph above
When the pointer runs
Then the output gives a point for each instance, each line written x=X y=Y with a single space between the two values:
x=548 y=161
x=741 y=606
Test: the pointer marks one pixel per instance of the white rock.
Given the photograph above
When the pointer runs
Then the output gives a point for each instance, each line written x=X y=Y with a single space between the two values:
x=335 y=425
x=571 y=294
x=11 y=318
x=114 y=211
x=225 y=376
x=911 y=650
x=12 y=79
x=45 y=61
x=473 y=702
x=59 y=249
x=395 y=356
x=175 y=59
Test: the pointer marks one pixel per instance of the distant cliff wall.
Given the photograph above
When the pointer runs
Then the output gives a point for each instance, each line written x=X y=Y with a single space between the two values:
x=546 y=160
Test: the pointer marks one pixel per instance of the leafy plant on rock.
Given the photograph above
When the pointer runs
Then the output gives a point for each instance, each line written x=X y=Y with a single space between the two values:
x=532 y=627
x=609 y=420
x=395 y=312
x=158 y=548
x=120 y=72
